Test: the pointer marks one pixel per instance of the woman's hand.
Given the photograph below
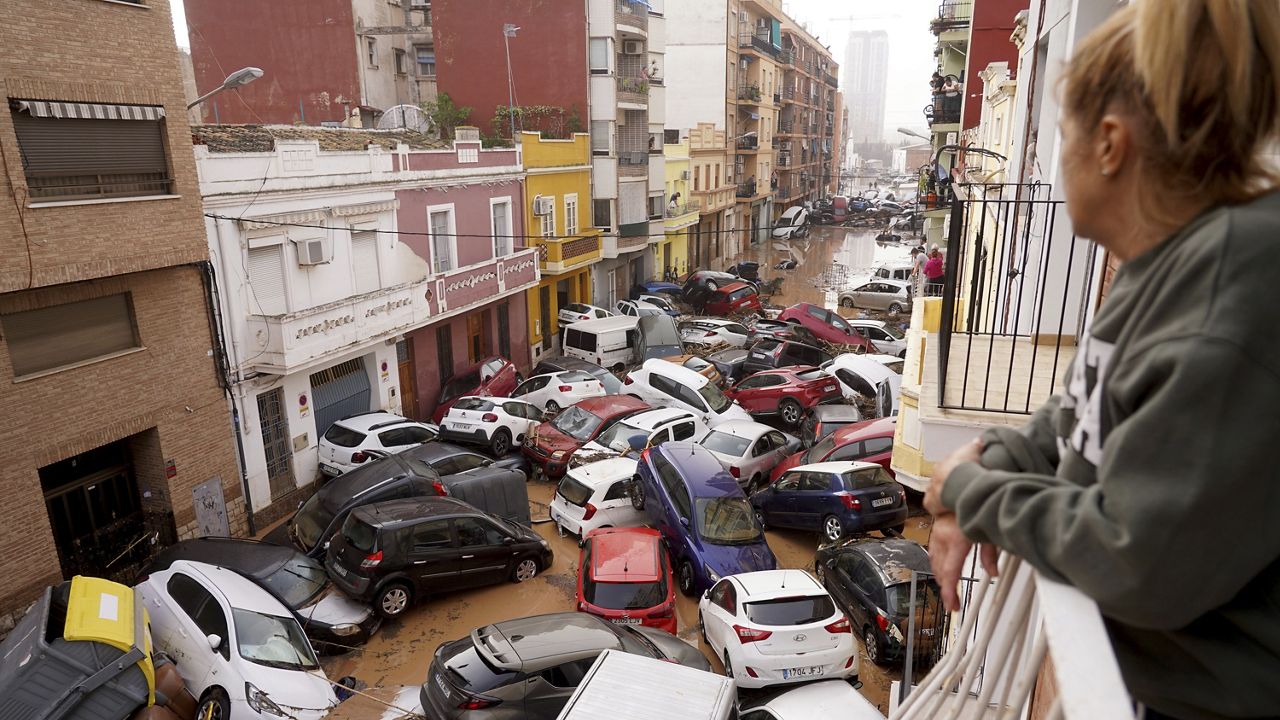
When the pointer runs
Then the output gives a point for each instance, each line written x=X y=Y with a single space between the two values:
x=969 y=452
x=948 y=545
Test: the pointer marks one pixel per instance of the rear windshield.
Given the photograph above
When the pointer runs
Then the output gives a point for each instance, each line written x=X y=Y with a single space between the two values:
x=460 y=385
x=576 y=308
x=574 y=491
x=696 y=363
x=297 y=581
x=577 y=423
x=723 y=442
x=739 y=294
x=866 y=478
x=624 y=596
x=892 y=331
x=343 y=436
x=819 y=452
x=800 y=610
x=813 y=375
x=471 y=672
x=716 y=400
x=473 y=403
x=576 y=376
x=359 y=535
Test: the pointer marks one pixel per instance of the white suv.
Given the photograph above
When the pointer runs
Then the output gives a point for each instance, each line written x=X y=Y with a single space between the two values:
x=664 y=384
x=644 y=429
x=499 y=423
x=555 y=391
x=346 y=442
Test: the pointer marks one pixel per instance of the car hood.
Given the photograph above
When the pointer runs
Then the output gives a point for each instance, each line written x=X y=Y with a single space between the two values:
x=675 y=648
x=550 y=439
x=335 y=608
x=733 y=412
x=728 y=560
x=292 y=689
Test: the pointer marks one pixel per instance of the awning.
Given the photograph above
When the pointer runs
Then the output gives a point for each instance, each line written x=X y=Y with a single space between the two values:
x=88 y=111
x=646 y=5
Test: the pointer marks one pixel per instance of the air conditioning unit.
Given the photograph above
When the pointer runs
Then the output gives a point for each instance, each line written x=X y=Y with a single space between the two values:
x=632 y=47
x=685 y=174
x=543 y=205
x=313 y=252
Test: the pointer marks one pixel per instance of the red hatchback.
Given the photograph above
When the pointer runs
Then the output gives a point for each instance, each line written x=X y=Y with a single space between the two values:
x=786 y=392
x=624 y=577
x=496 y=376
x=868 y=441
x=734 y=298
x=552 y=443
x=826 y=325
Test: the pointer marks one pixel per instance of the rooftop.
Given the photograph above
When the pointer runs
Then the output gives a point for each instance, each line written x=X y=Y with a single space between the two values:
x=262 y=138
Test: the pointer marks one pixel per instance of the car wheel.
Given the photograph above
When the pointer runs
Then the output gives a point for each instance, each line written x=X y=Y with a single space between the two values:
x=760 y=519
x=875 y=652
x=790 y=411
x=526 y=568
x=636 y=491
x=898 y=529
x=392 y=600
x=846 y=302
x=215 y=705
x=685 y=578
x=500 y=445
x=832 y=528
x=553 y=407
x=702 y=630
x=894 y=308
x=712 y=285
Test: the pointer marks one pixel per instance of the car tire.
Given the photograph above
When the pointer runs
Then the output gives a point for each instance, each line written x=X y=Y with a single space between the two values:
x=500 y=444
x=832 y=528
x=392 y=600
x=524 y=569
x=875 y=650
x=685 y=579
x=553 y=407
x=899 y=529
x=636 y=493
x=894 y=308
x=790 y=412
x=712 y=285
x=846 y=302
x=702 y=630
x=215 y=705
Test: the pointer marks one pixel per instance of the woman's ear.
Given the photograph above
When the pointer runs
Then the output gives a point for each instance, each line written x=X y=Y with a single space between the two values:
x=1114 y=145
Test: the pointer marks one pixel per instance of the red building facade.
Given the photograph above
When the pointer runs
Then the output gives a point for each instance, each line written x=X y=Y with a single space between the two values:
x=993 y=23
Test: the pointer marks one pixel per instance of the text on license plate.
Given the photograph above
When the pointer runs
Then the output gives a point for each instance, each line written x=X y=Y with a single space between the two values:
x=881 y=502
x=626 y=621
x=341 y=570
x=811 y=671
x=444 y=687
x=828 y=388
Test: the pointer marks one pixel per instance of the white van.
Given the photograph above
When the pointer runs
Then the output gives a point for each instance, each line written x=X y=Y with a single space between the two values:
x=610 y=342
x=621 y=686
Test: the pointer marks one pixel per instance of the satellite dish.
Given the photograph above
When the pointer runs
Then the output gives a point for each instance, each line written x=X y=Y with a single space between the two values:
x=409 y=117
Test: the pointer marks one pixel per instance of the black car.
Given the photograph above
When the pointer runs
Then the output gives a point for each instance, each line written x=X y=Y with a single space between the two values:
x=700 y=284
x=331 y=620
x=449 y=459
x=781 y=330
x=870 y=579
x=773 y=354
x=826 y=419
x=392 y=553
x=612 y=385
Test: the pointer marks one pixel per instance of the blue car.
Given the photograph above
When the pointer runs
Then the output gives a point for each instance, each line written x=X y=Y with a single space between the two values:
x=834 y=498
x=705 y=519
x=658 y=287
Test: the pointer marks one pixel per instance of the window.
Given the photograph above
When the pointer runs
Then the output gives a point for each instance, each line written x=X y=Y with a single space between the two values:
x=89 y=151
x=504 y=330
x=599 y=50
x=364 y=260
x=548 y=227
x=599 y=137
x=815 y=482
x=601 y=214
x=63 y=335
x=671 y=137
x=474 y=532
x=426 y=61
x=871 y=446
x=569 y=674
x=402 y=61
x=571 y=214
x=404 y=436
x=655 y=207
x=714 y=181
x=371 y=52
x=726 y=596
x=443 y=243
x=432 y=535
x=203 y=609
x=444 y=351
x=697 y=178
x=500 y=227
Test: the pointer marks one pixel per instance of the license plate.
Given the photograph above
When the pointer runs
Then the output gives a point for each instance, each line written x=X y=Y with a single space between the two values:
x=341 y=570
x=444 y=687
x=829 y=388
x=626 y=621
x=330 y=471
x=881 y=502
x=459 y=425
x=812 y=671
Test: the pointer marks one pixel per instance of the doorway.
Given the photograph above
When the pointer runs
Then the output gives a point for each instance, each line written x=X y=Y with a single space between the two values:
x=544 y=315
x=275 y=443
x=339 y=391
x=408 y=381
x=475 y=338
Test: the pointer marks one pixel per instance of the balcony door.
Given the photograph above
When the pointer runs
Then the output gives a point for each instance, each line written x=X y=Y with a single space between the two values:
x=544 y=315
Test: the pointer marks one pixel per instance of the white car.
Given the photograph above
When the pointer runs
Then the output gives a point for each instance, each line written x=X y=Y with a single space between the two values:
x=664 y=384
x=749 y=450
x=791 y=223
x=887 y=338
x=861 y=376
x=573 y=312
x=893 y=296
x=642 y=430
x=346 y=443
x=893 y=363
x=595 y=496
x=499 y=423
x=829 y=698
x=659 y=302
x=638 y=308
x=554 y=391
x=712 y=331
x=775 y=627
x=237 y=648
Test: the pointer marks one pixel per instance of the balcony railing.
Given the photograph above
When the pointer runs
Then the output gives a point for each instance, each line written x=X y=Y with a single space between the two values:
x=679 y=209
x=787 y=57
x=953 y=15
x=784 y=160
x=829 y=79
x=750 y=93
x=945 y=109
x=758 y=42
x=786 y=126
x=631 y=14
x=633 y=85
x=633 y=157
x=560 y=255
x=747 y=189
x=750 y=142
x=788 y=94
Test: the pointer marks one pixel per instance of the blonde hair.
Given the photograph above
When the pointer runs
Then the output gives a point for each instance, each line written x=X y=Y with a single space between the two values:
x=1201 y=79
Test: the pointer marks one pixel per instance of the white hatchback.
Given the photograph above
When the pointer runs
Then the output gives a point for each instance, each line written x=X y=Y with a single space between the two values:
x=638 y=308
x=887 y=338
x=775 y=627
x=664 y=384
x=574 y=312
x=826 y=699
x=749 y=450
x=642 y=430
x=595 y=496
x=237 y=648
x=346 y=443
x=554 y=391
x=712 y=331
x=499 y=423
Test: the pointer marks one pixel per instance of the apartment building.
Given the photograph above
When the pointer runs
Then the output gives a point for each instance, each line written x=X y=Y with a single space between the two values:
x=807 y=121
x=117 y=434
x=714 y=239
x=671 y=257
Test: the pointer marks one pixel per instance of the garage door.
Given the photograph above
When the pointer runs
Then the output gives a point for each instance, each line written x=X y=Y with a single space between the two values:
x=339 y=391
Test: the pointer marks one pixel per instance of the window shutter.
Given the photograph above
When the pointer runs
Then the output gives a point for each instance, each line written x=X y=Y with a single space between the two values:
x=266 y=281
x=65 y=334
x=65 y=157
x=364 y=260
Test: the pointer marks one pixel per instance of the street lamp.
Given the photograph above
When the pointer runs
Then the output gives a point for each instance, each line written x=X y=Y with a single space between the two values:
x=509 y=31
x=235 y=80
x=912 y=133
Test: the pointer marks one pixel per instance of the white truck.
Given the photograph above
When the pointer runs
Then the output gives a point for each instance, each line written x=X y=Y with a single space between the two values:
x=620 y=686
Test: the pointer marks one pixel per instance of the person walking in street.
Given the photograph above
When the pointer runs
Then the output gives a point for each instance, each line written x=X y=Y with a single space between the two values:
x=1160 y=445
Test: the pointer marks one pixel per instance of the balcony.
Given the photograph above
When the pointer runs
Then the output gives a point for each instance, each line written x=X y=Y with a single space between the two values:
x=633 y=90
x=714 y=200
x=786 y=127
x=632 y=16
x=787 y=57
x=945 y=109
x=750 y=143
x=788 y=94
x=560 y=255
x=758 y=43
x=953 y=20
x=751 y=190
x=680 y=216
x=784 y=160
x=749 y=94
x=633 y=163
x=829 y=79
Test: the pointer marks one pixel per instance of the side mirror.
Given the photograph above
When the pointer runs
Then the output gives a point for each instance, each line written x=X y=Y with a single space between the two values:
x=685 y=522
x=508 y=540
x=215 y=641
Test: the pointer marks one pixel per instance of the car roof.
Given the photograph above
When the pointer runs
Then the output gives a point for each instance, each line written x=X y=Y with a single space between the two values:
x=530 y=644
x=894 y=557
x=792 y=211
x=606 y=324
x=772 y=584
x=900 y=284
x=396 y=512
x=865 y=322
x=838 y=467
x=340 y=491
x=239 y=591
x=365 y=422
x=865 y=429
x=434 y=451
x=607 y=406
x=749 y=429
x=828 y=698
x=718 y=322
x=650 y=419
x=251 y=557
x=734 y=287
x=702 y=472
x=679 y=373
x=568 y=362
x=861 y=364
x=604 y=472
x=626 y=555
x=836 y=412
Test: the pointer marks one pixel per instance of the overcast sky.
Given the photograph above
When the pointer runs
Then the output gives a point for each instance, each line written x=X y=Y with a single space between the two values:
x=910 y=46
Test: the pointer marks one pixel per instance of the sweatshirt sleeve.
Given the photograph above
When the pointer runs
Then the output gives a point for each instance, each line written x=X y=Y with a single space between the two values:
x=1182 y=515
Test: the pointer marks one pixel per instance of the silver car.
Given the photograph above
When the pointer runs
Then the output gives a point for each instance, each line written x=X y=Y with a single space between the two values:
x=879 y=294
x=529 y=667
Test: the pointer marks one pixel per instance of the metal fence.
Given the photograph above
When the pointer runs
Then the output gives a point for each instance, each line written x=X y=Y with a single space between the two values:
x=929 y=629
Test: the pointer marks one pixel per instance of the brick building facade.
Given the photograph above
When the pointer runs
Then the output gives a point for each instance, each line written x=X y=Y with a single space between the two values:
x=114 y=418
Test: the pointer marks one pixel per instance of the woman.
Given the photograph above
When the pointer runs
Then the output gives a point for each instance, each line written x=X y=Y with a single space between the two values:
x=934 y=272
x=1150 y=482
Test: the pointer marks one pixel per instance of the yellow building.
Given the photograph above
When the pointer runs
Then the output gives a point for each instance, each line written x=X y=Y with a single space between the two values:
x=671 y=256
x=558 y=219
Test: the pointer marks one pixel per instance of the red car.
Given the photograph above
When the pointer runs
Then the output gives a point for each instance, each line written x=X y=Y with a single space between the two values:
x=624 y=577
x=786 y=392
x=868 y=441
x=496 y=376
x=826 y=325
x=550 y=444
x=733 y=298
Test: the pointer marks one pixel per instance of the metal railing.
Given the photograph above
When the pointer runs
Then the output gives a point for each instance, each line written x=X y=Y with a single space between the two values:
x=750 y=93
x=748 y=143
x=785 y=126
x=631 y=13
x=1014 y=297
x=635 y=85
x=747 y=189
x=633 y=157
x=679 y=209
x=945 y=108
x=954 y=13
x=758 y=42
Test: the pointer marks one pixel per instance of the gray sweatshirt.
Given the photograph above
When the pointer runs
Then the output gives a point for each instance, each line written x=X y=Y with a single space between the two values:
x=1150 y=482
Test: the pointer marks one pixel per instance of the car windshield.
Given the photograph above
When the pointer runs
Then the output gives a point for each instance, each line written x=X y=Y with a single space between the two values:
x=298 y=581
x=838 y=321
x=624 y=596
x=821 y=450
x=273 y=641
x=798 y=610
x=727 y=521
x=460 y=385
x=633 y=437
x=574 y=491
x=311 y=521
x=716 y=400
x=577 y=423
x=725 y=444
x=867 y=477
x=899 y=596
x=892 y=331
x=343 y=436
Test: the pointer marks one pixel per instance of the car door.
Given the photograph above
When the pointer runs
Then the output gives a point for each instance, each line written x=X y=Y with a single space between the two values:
x=484 y=552
x=813 y=499
x=616 y=507
x=752 y=395
x=533 y=390
x=431 y=555
x=197 y=614
x=849 y=566
x=780 y=510
x=403 y=438
x=522 y=417
x=861 y=295
x=720 y=615
x=547 y=691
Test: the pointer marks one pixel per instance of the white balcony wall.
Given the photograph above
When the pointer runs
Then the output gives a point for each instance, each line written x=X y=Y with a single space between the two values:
x=604 y=178
x=657 y=32
x=658 y=106
x=604 y=97
x=657 y=172
x=600 y=18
